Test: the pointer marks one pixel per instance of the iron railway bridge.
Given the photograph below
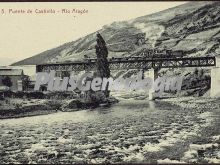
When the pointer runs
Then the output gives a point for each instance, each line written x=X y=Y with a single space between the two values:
x=130 y=63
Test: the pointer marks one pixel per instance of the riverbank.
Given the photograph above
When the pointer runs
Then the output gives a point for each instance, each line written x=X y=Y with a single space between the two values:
x=194 y=102
x=204 y=147
x=15 y=107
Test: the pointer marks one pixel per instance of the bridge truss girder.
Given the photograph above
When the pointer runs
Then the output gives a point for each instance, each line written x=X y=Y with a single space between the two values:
x=144 y=64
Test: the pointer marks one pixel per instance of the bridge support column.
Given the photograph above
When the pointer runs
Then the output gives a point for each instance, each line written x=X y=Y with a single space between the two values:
x=215 y=80
x=152 y=73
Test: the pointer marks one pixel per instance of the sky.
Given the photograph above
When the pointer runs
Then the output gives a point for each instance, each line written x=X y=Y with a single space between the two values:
x=24 y=34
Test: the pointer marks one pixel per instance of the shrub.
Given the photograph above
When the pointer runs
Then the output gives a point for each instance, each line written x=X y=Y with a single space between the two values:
x=54 y=104
x=36 y=95
x=6 y=93
x=61 y=95
x=29 y=95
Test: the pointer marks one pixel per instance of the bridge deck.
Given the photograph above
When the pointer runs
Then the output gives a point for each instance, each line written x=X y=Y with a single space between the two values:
x=121 y=64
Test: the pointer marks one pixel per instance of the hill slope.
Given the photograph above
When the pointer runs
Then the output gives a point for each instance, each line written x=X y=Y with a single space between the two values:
x=193 y=27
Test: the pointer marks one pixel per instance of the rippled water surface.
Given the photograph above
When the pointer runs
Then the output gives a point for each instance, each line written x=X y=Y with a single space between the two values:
x=130 y=131
x=122 y=109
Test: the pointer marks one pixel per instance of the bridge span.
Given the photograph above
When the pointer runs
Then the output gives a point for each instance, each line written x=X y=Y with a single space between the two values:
x=127 y=63
x=152 y=65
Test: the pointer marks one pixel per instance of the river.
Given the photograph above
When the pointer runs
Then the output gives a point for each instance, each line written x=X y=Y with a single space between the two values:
x=129 y=131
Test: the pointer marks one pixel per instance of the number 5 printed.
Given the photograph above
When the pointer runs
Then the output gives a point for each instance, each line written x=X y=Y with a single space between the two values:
x=2 y=11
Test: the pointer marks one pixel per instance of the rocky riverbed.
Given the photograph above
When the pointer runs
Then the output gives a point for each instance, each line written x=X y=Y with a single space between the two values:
x=165 y=131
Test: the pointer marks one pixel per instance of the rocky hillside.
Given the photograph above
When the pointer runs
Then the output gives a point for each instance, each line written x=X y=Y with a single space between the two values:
x=193 y=27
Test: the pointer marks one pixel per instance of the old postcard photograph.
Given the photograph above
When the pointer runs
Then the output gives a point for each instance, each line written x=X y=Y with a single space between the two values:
x=110 y=82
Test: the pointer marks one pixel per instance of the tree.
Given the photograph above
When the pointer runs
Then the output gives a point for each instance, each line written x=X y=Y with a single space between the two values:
x=7 y=81
x=26 y=82
x=196 y=72
x=102 y=71
x=201 y=73
x=102 y=54
x=102 y=61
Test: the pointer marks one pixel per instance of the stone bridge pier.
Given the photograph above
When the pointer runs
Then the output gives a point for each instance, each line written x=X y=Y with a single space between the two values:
x=215 y=80
x=153 y=74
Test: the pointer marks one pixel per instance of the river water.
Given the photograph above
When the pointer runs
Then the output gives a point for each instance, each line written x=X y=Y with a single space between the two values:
x=125 y=132
x=122 y=109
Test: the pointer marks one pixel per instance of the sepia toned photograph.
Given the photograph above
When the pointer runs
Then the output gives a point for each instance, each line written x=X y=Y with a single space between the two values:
x=114 y=82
